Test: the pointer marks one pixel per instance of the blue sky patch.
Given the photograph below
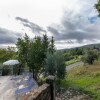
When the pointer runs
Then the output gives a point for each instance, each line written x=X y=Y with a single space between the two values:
x=93 y=19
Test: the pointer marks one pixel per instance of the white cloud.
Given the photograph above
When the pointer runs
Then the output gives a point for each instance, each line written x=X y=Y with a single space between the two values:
x=77 y=24
x=73 y=13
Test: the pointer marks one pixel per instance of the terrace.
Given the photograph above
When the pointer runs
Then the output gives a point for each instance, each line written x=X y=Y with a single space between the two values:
x=11 y=87
x=7 y=88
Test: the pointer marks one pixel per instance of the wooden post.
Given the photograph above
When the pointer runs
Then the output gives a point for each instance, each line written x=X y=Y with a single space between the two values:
x=51 y=80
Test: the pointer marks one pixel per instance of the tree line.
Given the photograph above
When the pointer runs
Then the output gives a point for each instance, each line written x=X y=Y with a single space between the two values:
x=40 y=55
x=6 y=54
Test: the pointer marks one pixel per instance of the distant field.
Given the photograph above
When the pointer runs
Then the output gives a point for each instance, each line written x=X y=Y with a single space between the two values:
x=85 y=78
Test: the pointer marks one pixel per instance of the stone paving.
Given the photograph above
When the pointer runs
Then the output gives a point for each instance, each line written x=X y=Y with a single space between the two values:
x=71 y=94
x=7 y=88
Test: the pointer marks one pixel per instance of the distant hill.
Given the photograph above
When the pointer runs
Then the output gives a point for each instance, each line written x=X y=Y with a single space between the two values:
x=91 y=46
x=85 y=46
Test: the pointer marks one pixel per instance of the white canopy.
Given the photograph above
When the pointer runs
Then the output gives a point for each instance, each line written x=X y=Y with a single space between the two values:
x=11 y=62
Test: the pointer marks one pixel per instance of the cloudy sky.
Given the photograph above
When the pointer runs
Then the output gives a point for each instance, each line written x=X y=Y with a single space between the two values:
x=71 y=22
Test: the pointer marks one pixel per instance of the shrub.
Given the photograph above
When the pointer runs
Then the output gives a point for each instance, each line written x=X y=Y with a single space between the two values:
x=90 y=56
x=55 y=65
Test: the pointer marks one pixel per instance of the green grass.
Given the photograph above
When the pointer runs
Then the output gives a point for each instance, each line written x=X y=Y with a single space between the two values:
x=84 y=78
x=72 y=61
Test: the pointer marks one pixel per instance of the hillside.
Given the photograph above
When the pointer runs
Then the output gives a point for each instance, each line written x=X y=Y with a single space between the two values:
x=85 y=46
x=85 y=78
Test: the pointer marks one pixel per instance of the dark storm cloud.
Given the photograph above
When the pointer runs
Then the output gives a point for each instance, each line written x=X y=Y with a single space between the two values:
x=63 y=42
x=53 y=30
x=34 y=27
x=8 y=37
x=76 y=27
x=74 y=35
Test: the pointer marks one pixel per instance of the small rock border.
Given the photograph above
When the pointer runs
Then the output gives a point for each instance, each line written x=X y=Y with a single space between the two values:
x=71 y=94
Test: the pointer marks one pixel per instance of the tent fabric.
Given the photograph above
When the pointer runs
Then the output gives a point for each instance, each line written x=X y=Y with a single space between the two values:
x=11 y=62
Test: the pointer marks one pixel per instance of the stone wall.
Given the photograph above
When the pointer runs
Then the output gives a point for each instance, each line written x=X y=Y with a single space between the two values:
x=41 y=93
x=44 y=92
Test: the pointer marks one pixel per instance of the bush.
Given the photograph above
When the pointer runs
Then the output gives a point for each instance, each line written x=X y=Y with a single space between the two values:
x=55 y=65
x=68 y=56
x=90 y=56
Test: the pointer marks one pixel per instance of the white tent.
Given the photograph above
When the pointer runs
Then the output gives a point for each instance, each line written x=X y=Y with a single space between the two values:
x=11 y=62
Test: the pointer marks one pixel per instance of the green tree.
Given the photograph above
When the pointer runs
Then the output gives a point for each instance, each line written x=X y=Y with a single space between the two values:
x=90 y=56
x=76 y=51
x=98 y=6
x=50 y=64
x=23 y=46
x=7 y=54
x=52 y=46
x=60 y=65
x=27 y=47
x=55 y=65
x=37 y=56
x=34 y=52
x=45 y=43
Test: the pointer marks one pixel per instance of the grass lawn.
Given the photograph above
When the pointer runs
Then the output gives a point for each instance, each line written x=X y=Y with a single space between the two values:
x=85 y=78
x=72 y=61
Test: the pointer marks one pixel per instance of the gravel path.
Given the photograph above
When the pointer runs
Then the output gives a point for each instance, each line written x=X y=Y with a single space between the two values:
x=74 y=65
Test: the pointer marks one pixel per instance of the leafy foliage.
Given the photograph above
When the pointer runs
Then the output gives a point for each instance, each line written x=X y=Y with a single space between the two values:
x=52 y=46
x=90 y=56
x=34 y=52
x=37 y=56
x=55 y=65
x=45 y=43
x=60 y=65
x=98 y=7
x=50 y=64
x=23 y=46
x=6 y=54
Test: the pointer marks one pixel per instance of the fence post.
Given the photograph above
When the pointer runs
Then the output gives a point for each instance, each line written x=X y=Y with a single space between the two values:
x=51 y=80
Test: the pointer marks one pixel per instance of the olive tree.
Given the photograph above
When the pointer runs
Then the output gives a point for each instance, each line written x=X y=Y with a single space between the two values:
x=55 y=65
x=90 y=56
